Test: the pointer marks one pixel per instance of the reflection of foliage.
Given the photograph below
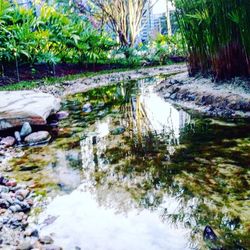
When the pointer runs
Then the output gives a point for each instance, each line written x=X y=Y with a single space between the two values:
x=203 y=183
x=207 y=176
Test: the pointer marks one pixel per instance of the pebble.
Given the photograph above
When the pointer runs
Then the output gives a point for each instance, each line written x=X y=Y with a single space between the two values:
x=87 y=108
x=4 y=203
x=117 y=131
x=4 y=189
x=17 y=136
x=31 y=232
x=26 y=245
x=62 y=115
x=8 y=141
x=46 y=240
x=15 y=208
x=15 y=201
x=52 y=247
x=22 y=194
x=26 y=129
x=37 y=137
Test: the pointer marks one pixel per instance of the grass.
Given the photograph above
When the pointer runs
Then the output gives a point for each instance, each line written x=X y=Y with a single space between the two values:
x=28 y=85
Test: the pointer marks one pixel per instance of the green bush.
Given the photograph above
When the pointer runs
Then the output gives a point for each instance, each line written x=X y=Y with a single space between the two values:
x=217 y=33
x=52 y=37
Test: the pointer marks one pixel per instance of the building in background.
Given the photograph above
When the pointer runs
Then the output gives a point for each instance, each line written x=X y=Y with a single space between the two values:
x=153 y=23
x=23 y=3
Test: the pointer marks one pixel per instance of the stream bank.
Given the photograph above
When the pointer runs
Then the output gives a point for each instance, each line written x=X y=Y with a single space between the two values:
x=130 y=165
x=227 y=99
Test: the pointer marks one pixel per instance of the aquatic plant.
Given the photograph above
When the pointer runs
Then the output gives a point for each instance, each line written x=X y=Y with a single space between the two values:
x=218 y=36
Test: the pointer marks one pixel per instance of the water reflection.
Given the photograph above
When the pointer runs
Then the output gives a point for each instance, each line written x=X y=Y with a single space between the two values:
x=90 y=226
x=145 y=165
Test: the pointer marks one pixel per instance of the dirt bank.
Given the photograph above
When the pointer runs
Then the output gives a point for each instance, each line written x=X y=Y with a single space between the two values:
x=84 y=84
x=229 y=99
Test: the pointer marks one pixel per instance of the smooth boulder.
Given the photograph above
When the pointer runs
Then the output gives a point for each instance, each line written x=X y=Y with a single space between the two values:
x=37 y=137
x=18 y=107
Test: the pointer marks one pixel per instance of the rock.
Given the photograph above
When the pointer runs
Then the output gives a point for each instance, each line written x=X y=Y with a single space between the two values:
x=17 y=136
x=26 y=245
x=209 y=234
x=37 y=137
x=4 y=203
x=17 y=107
x=4 y=189
x=30 y=232
x=62 y=115
x=87 y=108
x=54 y=124
x=25 y=207
x=46 y=240
x=118 y=131
x=52 y=247
x=8 y=141
x=202 y=160
x=22 y=194
x=11 y=183
x=26 y=129
x=28 y=168
x=15 y=208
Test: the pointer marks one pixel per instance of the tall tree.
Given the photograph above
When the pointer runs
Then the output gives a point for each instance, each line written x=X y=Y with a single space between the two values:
x=123 y=16
x=168 y=20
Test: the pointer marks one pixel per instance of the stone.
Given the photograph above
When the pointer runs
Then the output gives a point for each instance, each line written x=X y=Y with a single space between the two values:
x=25 y=207
x=17 y=136
x=4 y=189
x=54 y=124
x=22 y=194
x=87 y=108
x=46 y=240
x=26 y=129
x=26 y=245
x=31 y=232
x=62 y=115
x=52 y=247
x=15 y=208
x=37 y=137
x=118 y=131
x=209 y=234
x=17 y=107
x=8 y=141
x=4 y=203
x=11 y=183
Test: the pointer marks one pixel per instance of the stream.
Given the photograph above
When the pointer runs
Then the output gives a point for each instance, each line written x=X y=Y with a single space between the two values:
x=135 y=172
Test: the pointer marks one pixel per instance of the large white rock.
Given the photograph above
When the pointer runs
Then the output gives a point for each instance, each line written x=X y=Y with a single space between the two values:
x=17 y=107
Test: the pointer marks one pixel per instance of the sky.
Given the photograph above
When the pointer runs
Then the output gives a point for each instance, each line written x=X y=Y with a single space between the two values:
x=160 y=7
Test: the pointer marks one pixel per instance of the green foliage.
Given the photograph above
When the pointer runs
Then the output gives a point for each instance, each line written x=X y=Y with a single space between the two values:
x=165 y=47
x=218 y=36
x=158 y=52
x=52 y=37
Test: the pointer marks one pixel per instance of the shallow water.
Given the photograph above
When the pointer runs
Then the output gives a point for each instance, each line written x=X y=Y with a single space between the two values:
x=138 y=173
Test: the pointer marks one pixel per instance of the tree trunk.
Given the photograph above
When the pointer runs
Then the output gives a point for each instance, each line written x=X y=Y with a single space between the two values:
x=17 y=70
x=169 y=28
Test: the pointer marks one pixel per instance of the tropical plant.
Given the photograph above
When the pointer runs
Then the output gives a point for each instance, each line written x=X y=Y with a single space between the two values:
x=218 y=36
x=52 y=37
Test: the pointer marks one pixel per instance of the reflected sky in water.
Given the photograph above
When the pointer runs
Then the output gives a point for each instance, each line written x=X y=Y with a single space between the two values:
x=84 y=223
x=138 y=173
x=99 y=217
